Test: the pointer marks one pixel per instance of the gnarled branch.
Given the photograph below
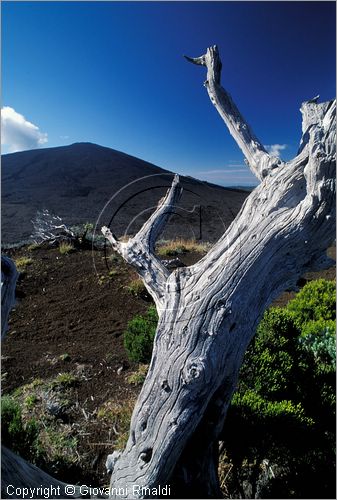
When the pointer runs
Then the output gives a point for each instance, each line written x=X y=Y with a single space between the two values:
x=260 y=162
x=139 y=250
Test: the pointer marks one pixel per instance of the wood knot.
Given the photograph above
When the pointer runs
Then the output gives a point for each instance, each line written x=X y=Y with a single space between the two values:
x=221 y=304
x=146 y=455
x=165 y=386
x=193 y=371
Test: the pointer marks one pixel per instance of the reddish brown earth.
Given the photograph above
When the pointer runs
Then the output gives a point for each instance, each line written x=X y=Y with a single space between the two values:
x=68 y=304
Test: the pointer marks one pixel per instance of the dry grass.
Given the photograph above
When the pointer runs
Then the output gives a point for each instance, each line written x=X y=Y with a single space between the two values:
x=118 y=415
x=138 y=377
x=136 y=287
x=125 y=238
x=22 y=263
x=33 y=246
x=181 y=245
x=66 y=248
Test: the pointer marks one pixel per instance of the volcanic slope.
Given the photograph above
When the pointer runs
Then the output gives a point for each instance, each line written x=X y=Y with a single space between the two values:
x=85 y=182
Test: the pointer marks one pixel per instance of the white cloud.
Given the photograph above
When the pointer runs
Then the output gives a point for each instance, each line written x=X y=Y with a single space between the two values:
x=274 y=149
x=18 y=134
x=225 y=176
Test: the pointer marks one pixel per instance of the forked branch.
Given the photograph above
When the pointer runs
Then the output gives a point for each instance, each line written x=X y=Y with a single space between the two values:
x=260 y=162
x=139 y=250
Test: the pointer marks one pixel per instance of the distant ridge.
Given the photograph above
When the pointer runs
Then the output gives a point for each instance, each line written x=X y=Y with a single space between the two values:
x=76 y=182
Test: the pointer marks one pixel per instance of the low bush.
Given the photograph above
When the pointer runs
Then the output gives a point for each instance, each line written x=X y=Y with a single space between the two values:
x=318 y=338
x=33 y=246
x=64 y=380
x=139 y=335
x=20 y=436
x=316 y=301
x=35 y=424
x=284 y=408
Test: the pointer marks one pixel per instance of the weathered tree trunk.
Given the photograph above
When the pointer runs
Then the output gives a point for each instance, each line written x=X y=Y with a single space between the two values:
x=208 y=312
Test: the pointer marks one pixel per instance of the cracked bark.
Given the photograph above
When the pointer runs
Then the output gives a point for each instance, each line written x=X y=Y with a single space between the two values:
x=208 y=312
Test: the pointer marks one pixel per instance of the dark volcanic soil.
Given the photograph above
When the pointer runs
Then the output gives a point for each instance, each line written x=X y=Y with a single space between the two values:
x=69 y=304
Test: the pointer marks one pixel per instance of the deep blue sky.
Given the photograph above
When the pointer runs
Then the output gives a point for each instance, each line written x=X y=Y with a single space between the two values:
x=113 y=73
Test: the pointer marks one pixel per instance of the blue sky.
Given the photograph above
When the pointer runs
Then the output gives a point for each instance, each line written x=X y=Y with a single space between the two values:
x=112 y=73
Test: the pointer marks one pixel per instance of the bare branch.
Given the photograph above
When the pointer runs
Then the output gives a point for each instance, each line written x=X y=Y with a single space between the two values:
x=260 y=162
x=139 y=250
x=151 y=230
x=48 y=227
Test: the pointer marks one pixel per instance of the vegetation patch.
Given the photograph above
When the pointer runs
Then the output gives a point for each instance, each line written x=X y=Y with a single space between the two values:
x=137 y=377
x=137 y=288
x=118 y=415
x=283 y=412
x=66 y=248
x=139 y=335
x=35 y=423
x=65 y=380
x=65 y=357
x=22 y=263
x=181 y=246
x=33 y=246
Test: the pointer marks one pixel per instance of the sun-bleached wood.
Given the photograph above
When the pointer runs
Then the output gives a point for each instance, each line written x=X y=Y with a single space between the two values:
x=139 y=250
x=259 y=160
x=208 y=312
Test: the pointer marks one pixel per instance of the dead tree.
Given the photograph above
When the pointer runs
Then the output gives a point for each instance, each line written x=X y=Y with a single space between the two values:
x=208 y=312
x=50 y=228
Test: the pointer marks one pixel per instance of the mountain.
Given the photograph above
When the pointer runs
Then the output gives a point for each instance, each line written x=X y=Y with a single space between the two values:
x=85 y=182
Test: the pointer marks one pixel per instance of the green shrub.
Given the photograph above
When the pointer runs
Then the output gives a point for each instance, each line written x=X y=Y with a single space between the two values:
x=139 y=335
x=270 y=367
x=318 y=339
x=21 y=438
x=253 y=405
x=64 y=380
x=316 y=301
x=284 y=407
